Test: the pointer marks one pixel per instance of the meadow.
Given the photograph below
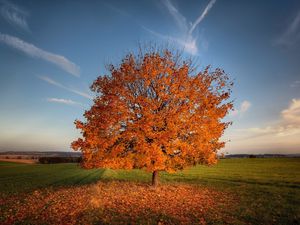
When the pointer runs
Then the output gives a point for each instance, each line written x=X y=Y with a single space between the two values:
x=235 y=191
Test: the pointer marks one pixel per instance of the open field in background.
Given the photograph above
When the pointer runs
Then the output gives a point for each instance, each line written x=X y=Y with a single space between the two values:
x=235 y=191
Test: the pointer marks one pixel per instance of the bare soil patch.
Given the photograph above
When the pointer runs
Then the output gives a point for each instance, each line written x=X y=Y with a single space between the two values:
x=28 y=161
x=119 y=203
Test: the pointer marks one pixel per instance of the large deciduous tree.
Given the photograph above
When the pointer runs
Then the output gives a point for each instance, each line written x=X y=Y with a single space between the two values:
x=154 y=111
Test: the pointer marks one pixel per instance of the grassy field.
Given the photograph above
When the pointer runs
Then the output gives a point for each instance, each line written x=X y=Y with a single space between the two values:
x=267 y=191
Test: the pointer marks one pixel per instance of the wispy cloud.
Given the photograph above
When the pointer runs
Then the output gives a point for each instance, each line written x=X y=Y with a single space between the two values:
x=245 y=105
x=281 y=135
x=116 y=9
x=14 y=15
x=292 y=33
x=36 y=52
x=292 y=114
x=179 y=19
x=288 y=124
x=295 y=84
x=63 y=101
x=57 y=84
x=188 y=40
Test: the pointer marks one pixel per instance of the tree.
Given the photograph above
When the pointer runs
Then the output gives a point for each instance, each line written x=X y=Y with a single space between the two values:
x=155 y=112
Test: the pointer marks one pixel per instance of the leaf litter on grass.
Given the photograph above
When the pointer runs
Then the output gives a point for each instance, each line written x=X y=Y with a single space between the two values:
x=116 y=202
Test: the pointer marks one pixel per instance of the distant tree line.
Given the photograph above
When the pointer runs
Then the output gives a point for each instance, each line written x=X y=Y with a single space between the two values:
x=51 y=160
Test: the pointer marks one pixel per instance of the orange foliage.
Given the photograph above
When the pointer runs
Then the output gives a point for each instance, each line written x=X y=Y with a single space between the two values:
x=155 y=112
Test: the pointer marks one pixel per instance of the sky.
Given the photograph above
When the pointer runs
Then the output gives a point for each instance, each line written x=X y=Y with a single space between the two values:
x=52 y=51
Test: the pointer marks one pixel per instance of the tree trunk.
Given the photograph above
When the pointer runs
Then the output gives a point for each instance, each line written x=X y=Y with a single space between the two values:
x=155 y=178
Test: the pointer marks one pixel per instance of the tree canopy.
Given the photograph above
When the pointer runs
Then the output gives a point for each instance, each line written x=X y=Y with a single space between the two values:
x=154 y=111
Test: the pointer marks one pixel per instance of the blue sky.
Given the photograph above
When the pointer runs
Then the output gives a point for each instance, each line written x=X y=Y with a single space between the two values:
x=51 y=51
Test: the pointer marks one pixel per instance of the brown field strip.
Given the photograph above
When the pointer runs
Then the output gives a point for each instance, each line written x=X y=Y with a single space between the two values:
x=27 y=161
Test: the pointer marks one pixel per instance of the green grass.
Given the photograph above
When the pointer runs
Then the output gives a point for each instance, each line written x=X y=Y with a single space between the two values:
x=268 y=189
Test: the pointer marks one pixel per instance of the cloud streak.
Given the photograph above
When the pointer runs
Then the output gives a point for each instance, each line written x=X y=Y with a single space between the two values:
x=57 y=84
x=63 y=101
x=189 y=40
x=35 y=52
x=14 y=15
x=292 y=33
x=202 y=16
